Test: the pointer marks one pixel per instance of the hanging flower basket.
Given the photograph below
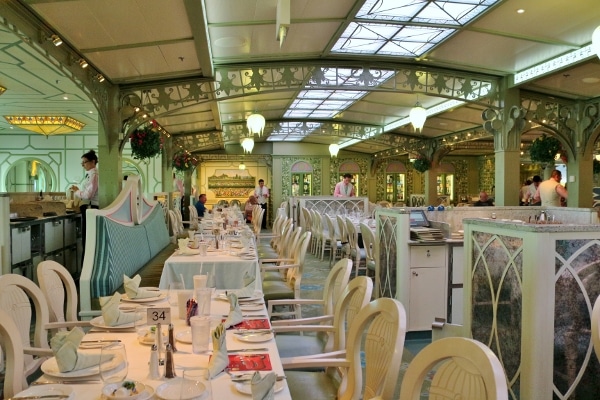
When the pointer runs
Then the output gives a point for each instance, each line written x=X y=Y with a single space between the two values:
x=183 y=161
x=544 y=149
x=422 y=164
x=145 y=143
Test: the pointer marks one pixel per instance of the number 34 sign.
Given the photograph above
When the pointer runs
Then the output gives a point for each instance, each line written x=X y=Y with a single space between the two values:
x=159 y=316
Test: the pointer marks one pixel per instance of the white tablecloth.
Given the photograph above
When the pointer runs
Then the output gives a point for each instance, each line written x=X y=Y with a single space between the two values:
x=231 y=271
x=139 y=355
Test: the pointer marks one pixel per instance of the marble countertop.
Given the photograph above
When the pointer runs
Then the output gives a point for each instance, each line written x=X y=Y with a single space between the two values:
x=531 y=227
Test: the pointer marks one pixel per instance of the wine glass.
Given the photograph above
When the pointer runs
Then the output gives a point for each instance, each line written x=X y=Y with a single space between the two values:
x=113 y=363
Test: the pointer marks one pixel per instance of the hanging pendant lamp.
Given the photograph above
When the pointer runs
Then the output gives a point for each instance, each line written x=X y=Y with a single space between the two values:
x=417 y=117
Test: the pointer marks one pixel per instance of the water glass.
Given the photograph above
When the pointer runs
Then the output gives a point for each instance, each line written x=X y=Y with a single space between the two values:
x=174 y=288
x=199 y=281
x=182 y=297
x=200 y=326
x=203 y=297
x=113 y=363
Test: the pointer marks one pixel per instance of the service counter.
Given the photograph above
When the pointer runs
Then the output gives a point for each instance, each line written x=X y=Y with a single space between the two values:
x=528 y=294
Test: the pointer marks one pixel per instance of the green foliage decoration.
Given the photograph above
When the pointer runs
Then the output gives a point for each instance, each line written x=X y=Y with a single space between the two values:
x=544 y=149
x=422 y=164
x=146 y=142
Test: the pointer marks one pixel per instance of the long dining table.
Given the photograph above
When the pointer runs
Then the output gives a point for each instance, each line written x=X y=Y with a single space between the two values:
x=138 y=355
x=232 y=268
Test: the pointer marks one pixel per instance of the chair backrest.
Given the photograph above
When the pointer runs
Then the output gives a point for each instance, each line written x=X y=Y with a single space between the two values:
x=235 y=202
x=307 y=219
x=174 y=224
x=179 y=219
x=352 y=234
x=470 y=371
x=336 y=281
x=193 y=217
x=342 y=227
x=294 y=275
x=355 y=295
x=596 y=327
x=17 y=294
x=368 y=238
x=12 y=346
x=59 y=289
x=382 y=324
x=332 y=236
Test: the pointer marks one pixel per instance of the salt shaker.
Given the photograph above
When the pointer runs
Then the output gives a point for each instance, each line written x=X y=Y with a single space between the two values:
x=172 y=338
x=169 y=363
x=154 y=373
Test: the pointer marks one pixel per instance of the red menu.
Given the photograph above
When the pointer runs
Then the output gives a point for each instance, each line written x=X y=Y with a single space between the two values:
x=262 y=323
x=249 y=362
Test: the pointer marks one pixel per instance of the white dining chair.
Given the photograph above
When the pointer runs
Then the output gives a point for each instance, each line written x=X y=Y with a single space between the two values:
x=596 y=327
x=12 y=347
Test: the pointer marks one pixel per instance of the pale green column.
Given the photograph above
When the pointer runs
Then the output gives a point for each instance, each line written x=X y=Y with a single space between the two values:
x=507 y=177
x=580 y=180
x=109 y=146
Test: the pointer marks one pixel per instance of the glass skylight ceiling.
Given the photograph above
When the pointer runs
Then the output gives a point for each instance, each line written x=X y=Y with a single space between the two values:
x=408 y=28
x=325 y=104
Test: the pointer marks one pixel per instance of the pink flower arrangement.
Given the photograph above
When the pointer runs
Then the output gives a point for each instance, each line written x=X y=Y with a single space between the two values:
x=183 y=161
x=146 y=142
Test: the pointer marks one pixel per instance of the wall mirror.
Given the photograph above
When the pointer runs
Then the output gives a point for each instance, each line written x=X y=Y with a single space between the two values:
x=30 y=175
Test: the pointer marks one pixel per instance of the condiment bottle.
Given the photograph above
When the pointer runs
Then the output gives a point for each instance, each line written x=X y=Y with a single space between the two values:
x=169 y=363
x=153 y=364
x=172 y=338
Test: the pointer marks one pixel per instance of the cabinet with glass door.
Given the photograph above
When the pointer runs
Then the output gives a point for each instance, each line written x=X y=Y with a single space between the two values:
x=445 y=185
x=301 y=184
x=395 y=187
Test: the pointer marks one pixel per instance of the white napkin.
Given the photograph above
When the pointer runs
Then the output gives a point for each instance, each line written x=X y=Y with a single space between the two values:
x=263 y=387
x=64 y=346
x=110 y=311
x=219 y=360
x=133 y=290
x=183 y=247
x=235 y=313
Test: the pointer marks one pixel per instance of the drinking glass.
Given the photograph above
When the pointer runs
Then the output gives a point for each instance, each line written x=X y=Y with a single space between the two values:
x=141 y=323
x=174 y=287
x=200 y=327
x=113 y=363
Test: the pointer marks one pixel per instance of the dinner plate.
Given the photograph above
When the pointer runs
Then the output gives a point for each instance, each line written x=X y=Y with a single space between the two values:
x=246 y=387
x=43 y=390
x=254 y=337
x=249 y=299
x=50 y=367
x=147 y=394
x=160 y=297
x=184 y=336
x=188 y=252
x=174 y=390
x=151 y=339
x=98 y=322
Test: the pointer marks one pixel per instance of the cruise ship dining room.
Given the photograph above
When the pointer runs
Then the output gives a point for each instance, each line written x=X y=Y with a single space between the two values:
x=379 y=129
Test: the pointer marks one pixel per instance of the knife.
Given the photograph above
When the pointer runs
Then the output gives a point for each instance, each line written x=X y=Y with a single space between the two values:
x=246 y=350
x=45 y=396
x=75 y=382
x=248 y=378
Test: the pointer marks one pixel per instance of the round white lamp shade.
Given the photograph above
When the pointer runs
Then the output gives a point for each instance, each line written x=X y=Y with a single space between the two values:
x=248 y=145
x=256 y=124
x=334 y=149
x=417 y=117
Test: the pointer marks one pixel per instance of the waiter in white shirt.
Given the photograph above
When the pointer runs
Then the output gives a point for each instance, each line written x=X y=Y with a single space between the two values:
x=262 y=197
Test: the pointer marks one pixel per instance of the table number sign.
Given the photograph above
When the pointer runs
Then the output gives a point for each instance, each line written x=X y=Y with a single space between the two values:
x=159 y=315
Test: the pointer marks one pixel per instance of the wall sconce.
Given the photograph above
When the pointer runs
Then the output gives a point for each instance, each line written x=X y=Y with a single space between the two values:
x=83 y=63
x=100 y=78
x=417 y=117
x=242 y=166
x=56 y=40
x=597 y=157
x=248 y=145
x=283 y=20
x=2 y=90
x=256 y=124
x=334 y=149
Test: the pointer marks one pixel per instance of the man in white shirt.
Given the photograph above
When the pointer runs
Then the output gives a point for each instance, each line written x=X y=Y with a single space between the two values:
x=533 y=188
x=261 y=193
x=551 y=191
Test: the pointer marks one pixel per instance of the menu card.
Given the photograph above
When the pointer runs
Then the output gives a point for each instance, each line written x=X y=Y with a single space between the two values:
x=249 y=362
x=261 y=323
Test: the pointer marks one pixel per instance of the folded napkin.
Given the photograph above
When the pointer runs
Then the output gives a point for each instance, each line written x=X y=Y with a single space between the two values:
x=249 y=290
x=183 y=244
x=235 y=313
x=64 y=346
x=263 y=387
x=133 y=290
x=219 y=360
x=110 y=311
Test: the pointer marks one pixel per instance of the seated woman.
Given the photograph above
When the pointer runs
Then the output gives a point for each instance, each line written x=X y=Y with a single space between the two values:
x=248 y=208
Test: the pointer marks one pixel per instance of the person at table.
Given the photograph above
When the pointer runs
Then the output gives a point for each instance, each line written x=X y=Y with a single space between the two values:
x=533 y=190
x=484 y=200
x=87 y=192
x=200 y=207
x=523 y=192
x=550 y=191
x=344 y=188
x=250 y=203
x=261 y=193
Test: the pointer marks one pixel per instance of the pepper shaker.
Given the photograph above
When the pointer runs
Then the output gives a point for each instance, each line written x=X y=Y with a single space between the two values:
x=169 y=363
x=154 y=373
x=172 y=338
